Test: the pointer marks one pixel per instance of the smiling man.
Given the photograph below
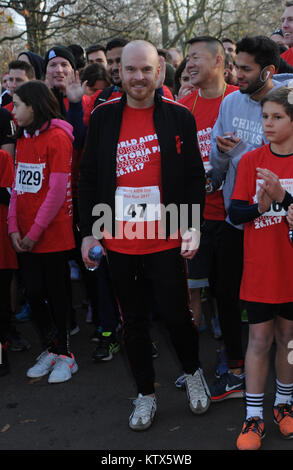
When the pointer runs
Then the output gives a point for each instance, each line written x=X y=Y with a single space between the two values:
x=113 y=54
x=205 y=61
x=142 y=150
x=287 y=29
x=59 y=63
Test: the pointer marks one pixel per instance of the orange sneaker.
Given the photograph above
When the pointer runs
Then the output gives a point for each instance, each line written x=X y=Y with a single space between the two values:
x=251 y=435
x=283 y=414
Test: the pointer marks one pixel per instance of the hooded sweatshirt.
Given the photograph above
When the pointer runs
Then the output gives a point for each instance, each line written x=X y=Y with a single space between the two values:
x=41 y=201
x=241 y=115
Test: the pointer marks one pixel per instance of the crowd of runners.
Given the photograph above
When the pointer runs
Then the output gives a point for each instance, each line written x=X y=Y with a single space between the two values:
x=178 y=168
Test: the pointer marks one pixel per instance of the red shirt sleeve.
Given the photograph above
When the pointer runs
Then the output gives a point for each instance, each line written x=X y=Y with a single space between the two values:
x=89 y=106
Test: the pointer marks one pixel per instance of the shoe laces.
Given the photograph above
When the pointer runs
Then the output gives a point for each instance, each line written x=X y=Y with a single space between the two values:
x=284 y=410
x=254 y=425
x=59 y=362
x=224 y=379
x=43 y=358
x=143 y=406
x=195 y=385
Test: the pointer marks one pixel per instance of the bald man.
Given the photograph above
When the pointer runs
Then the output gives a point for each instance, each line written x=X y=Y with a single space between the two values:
x=142 y=157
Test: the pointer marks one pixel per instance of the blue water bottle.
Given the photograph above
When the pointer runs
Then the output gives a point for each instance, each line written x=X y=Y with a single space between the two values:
x=95 y=254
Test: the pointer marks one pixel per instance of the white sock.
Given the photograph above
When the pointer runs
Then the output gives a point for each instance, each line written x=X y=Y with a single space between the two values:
x=283 y=393
x=254 y=405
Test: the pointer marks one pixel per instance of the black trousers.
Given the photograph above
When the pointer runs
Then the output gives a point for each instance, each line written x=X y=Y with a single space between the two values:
x=154 y=280
x=231 y=262
x=46 y=279
x=5 y=303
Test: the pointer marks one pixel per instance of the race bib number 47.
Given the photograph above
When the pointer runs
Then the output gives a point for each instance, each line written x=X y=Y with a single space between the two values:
x=137 y=204
x=29 y=177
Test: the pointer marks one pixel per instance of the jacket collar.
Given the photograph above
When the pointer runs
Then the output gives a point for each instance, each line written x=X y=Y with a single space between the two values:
x=157 y=99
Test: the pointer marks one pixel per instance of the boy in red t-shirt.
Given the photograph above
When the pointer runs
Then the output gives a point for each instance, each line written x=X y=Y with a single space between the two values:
x=262 y=195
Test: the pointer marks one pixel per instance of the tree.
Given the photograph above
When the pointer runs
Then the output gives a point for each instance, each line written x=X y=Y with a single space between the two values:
x=45 y=19
x=119 y=18
x=178 y=19
x=167 y=23
x=182 y=19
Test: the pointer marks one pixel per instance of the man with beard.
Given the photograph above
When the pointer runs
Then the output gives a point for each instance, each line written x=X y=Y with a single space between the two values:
x=142 y=152
x=113 y=54
x=238 y=130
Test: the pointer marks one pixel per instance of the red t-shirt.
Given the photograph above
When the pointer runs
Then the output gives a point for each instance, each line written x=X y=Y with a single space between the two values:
x=138 y=183
x=206 y=113
x=8 y=259
x=268 y=252
x=36 y=158
x=288 y=56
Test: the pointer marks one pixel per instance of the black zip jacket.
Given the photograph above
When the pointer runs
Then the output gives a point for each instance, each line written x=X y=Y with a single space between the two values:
x=183 y=176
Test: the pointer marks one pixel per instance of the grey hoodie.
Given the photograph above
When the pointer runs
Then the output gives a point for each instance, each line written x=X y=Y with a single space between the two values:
x=241 y=115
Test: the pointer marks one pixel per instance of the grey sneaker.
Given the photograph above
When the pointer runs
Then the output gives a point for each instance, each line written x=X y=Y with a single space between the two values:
x=63 y=369
x=145 y=408
x=198 y=393
x=44 y=365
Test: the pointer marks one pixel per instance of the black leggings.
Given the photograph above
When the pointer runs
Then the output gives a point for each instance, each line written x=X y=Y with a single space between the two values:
x=46 y=278
x=159 y=280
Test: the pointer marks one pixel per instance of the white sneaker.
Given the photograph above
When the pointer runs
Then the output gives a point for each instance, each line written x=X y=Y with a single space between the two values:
x=144 y=412
x=44 y=365
x=198 y=393
x=63 y=369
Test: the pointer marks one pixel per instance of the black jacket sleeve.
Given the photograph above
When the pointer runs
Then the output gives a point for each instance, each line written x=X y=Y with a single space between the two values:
x=88 y=179
x=4 y=197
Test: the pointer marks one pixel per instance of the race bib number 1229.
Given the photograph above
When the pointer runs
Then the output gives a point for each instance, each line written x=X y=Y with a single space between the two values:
x=29 y=177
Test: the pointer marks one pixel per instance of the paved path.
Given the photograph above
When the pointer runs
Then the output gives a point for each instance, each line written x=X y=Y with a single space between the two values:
x=90 y=412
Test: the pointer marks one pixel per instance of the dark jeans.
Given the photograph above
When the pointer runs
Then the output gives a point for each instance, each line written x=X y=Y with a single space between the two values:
x=156 y=279
x=231 y=262
x=46 y=277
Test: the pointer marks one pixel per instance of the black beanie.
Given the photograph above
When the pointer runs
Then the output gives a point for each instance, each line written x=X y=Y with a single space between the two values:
x=60 y=51
x=37 y=62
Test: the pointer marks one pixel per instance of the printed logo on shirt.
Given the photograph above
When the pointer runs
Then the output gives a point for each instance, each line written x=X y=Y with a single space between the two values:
x=248 y=130
x=204 y=142
x=133 y=154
